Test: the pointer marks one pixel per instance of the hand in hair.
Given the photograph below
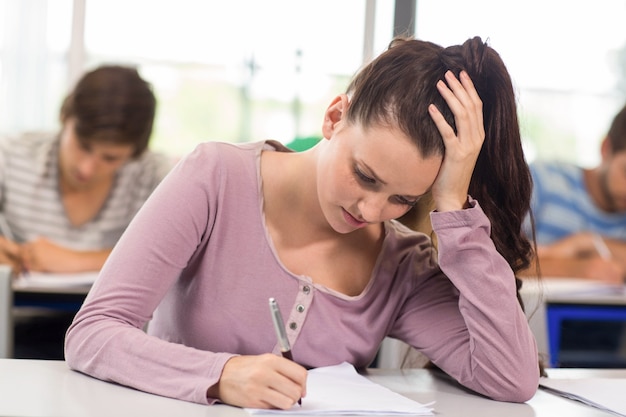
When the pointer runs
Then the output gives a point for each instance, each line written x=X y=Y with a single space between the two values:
x=451 y=187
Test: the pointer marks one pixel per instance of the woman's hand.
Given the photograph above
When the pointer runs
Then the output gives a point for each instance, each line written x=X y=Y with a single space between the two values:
x=263 y=381
x=451 y=187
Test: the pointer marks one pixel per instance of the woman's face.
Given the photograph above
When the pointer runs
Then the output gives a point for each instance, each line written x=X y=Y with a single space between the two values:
x=370 y=175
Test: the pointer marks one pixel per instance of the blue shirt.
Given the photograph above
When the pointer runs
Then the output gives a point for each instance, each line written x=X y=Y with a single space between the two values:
x=562 y=206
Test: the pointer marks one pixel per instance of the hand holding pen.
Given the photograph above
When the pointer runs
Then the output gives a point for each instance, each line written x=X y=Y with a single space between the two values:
x=601 y=247
x=610 y=270
x=281 y=334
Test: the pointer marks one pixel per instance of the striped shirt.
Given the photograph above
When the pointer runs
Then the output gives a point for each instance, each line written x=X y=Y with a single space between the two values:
x=31 y=201
x=562 y=205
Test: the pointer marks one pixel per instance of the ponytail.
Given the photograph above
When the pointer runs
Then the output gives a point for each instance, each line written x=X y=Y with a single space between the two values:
x=397 y=88
x=501 y=181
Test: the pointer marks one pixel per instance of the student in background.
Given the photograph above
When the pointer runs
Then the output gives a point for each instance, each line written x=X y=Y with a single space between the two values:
x=580 y=214
x=233 y=225
x=66 y=198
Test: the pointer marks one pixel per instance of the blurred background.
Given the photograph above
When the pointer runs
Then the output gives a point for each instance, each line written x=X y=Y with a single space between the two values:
x=247 y=70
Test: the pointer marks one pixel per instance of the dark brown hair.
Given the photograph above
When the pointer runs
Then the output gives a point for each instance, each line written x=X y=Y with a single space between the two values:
x=397 y=88
x=112 y=104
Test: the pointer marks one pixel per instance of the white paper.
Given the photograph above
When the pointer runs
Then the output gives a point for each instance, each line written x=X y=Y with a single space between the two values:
x=603 y=393
x=340 y=390
x=54 y=280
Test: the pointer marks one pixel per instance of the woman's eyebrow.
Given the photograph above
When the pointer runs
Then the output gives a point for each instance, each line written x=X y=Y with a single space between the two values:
x=373 y=173
x=377 y=178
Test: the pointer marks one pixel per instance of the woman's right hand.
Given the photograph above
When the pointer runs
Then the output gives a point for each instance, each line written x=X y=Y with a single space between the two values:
x=10 y=254
x=263 y=381
x=450 y=190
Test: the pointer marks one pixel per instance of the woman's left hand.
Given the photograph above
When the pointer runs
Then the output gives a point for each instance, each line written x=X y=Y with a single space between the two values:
x=450 y=189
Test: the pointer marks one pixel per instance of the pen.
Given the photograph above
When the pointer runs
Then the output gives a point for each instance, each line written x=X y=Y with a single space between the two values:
x=600 y=245
x=279 y=326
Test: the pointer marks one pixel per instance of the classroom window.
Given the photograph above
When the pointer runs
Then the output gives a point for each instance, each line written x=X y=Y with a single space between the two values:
x=247 y=70
x=567 y=60
x=34 y=43
x=237 y=71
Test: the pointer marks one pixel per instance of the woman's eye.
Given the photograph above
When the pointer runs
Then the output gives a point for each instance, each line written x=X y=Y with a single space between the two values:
x=404 y=201
x=364 y=177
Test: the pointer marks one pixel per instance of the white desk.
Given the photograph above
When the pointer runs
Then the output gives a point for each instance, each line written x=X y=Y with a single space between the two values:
x=38 y=388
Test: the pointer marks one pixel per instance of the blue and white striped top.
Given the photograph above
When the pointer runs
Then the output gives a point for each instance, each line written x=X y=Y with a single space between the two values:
x=562 y=206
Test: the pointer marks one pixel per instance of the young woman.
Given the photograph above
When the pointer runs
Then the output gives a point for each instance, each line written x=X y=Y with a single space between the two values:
x=233 y=225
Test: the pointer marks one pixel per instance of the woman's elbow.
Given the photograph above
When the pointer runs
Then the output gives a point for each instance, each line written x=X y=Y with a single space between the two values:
x=78 y=345
x=520 y=393
x=69 y=347
x=516 y=384
x=517 y=389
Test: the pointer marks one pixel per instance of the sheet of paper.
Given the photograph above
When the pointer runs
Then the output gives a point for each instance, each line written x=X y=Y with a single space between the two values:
x=603 y=393
x=50 y=280
x=340 y=390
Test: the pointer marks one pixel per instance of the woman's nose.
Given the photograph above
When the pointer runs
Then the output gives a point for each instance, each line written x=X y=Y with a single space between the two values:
x=378 y=208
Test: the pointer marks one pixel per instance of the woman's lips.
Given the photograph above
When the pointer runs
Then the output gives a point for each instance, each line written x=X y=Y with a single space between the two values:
x=353 y=221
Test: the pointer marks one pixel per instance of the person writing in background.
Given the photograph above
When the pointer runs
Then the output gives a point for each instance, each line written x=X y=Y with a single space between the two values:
x=65 y=199
x=235 y=224
x=579 y=214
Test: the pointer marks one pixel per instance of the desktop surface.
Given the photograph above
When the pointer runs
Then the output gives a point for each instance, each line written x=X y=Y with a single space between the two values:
x=50 y=388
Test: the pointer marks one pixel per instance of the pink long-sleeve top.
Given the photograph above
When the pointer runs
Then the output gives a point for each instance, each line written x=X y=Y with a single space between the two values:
x=198 y=263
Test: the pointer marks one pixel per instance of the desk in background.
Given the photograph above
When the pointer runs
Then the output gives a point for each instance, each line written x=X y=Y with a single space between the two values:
x=50 y=388
x=65 y=297
x=577 y=323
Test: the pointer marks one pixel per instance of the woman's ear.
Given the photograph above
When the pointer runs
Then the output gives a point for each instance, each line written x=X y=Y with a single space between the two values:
x=335 y=112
